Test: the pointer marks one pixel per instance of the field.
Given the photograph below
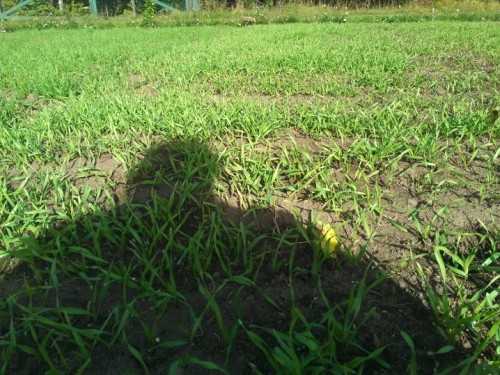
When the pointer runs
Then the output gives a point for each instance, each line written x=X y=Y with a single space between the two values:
x=162 y=193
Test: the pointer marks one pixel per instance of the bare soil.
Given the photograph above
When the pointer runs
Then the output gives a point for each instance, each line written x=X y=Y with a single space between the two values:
x=398 y=303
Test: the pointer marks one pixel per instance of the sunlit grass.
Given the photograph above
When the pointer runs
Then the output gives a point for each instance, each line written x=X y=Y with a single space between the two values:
x=122 y=153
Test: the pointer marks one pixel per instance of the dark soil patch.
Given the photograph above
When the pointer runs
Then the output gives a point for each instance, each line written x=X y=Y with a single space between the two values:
x=250 y=296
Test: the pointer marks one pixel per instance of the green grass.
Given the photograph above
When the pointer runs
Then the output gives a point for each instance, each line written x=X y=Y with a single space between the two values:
x=159 y=189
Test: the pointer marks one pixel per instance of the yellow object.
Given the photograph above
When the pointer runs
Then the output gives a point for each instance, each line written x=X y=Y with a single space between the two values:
x=329 y=239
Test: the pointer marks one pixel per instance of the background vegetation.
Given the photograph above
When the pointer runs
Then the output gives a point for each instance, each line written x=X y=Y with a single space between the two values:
x=298 y=10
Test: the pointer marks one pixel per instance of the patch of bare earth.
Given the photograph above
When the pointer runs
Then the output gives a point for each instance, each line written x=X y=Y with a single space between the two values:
x=398 y=304
x=142 y=87
x=95 y=174
x=34 y=104
x=448 y=197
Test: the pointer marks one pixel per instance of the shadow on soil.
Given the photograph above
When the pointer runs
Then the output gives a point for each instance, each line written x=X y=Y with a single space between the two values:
x=172 y=274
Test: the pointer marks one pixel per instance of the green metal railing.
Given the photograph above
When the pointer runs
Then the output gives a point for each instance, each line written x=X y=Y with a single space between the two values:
x=7 y=14
x=189 y=5
x=166 y=6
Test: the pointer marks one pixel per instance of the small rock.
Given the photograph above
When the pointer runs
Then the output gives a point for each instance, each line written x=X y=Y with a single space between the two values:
x=466 y=344
x=412 y=202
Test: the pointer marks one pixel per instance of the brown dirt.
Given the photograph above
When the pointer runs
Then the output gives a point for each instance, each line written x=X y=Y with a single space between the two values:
x=147 y=91
x=34 y=104
x=136 y=80
x=142 y=86
x=399 y=303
